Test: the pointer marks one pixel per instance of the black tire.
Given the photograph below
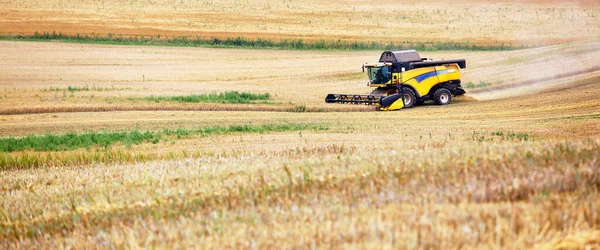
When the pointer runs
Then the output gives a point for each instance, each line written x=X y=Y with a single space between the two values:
x=409 y=97
x=442 y=96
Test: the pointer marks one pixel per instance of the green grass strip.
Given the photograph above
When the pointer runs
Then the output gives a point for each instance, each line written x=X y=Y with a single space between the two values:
x=233 y=97
x=81 y=88
x=70 y=141
x=285 y=44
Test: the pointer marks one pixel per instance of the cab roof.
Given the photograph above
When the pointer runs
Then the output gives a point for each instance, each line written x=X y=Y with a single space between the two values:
x=401 y=56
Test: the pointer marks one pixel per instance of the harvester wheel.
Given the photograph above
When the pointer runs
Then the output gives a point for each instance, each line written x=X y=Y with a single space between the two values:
x=442 y=96
x=409 y=97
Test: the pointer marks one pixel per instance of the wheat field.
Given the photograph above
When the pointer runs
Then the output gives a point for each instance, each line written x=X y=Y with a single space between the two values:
x=514 y=164
x=516 y=169
x=477 y=21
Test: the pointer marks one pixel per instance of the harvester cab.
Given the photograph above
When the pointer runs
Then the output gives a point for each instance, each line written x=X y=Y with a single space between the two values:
x=403 y=79
x=379 y=74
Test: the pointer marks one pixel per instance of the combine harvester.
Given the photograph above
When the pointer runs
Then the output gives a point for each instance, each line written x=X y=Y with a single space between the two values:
x=403 y=79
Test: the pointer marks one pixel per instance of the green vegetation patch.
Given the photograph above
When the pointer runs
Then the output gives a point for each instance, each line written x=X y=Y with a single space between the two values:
x=286 y=44
x=70 y=141
x=499 y=135
x=510 y=135
x=232 y=97
x=81 y=88
x=585 y=117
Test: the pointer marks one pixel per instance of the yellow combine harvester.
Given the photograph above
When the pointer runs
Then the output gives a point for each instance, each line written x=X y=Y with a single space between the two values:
x=403 y=79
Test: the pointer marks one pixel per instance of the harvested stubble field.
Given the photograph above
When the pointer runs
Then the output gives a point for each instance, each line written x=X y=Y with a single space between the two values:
x=516 y=169
x=116 y=162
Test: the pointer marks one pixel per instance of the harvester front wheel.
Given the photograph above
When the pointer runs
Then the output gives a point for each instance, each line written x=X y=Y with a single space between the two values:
x=442 y=96
x=408 y=97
